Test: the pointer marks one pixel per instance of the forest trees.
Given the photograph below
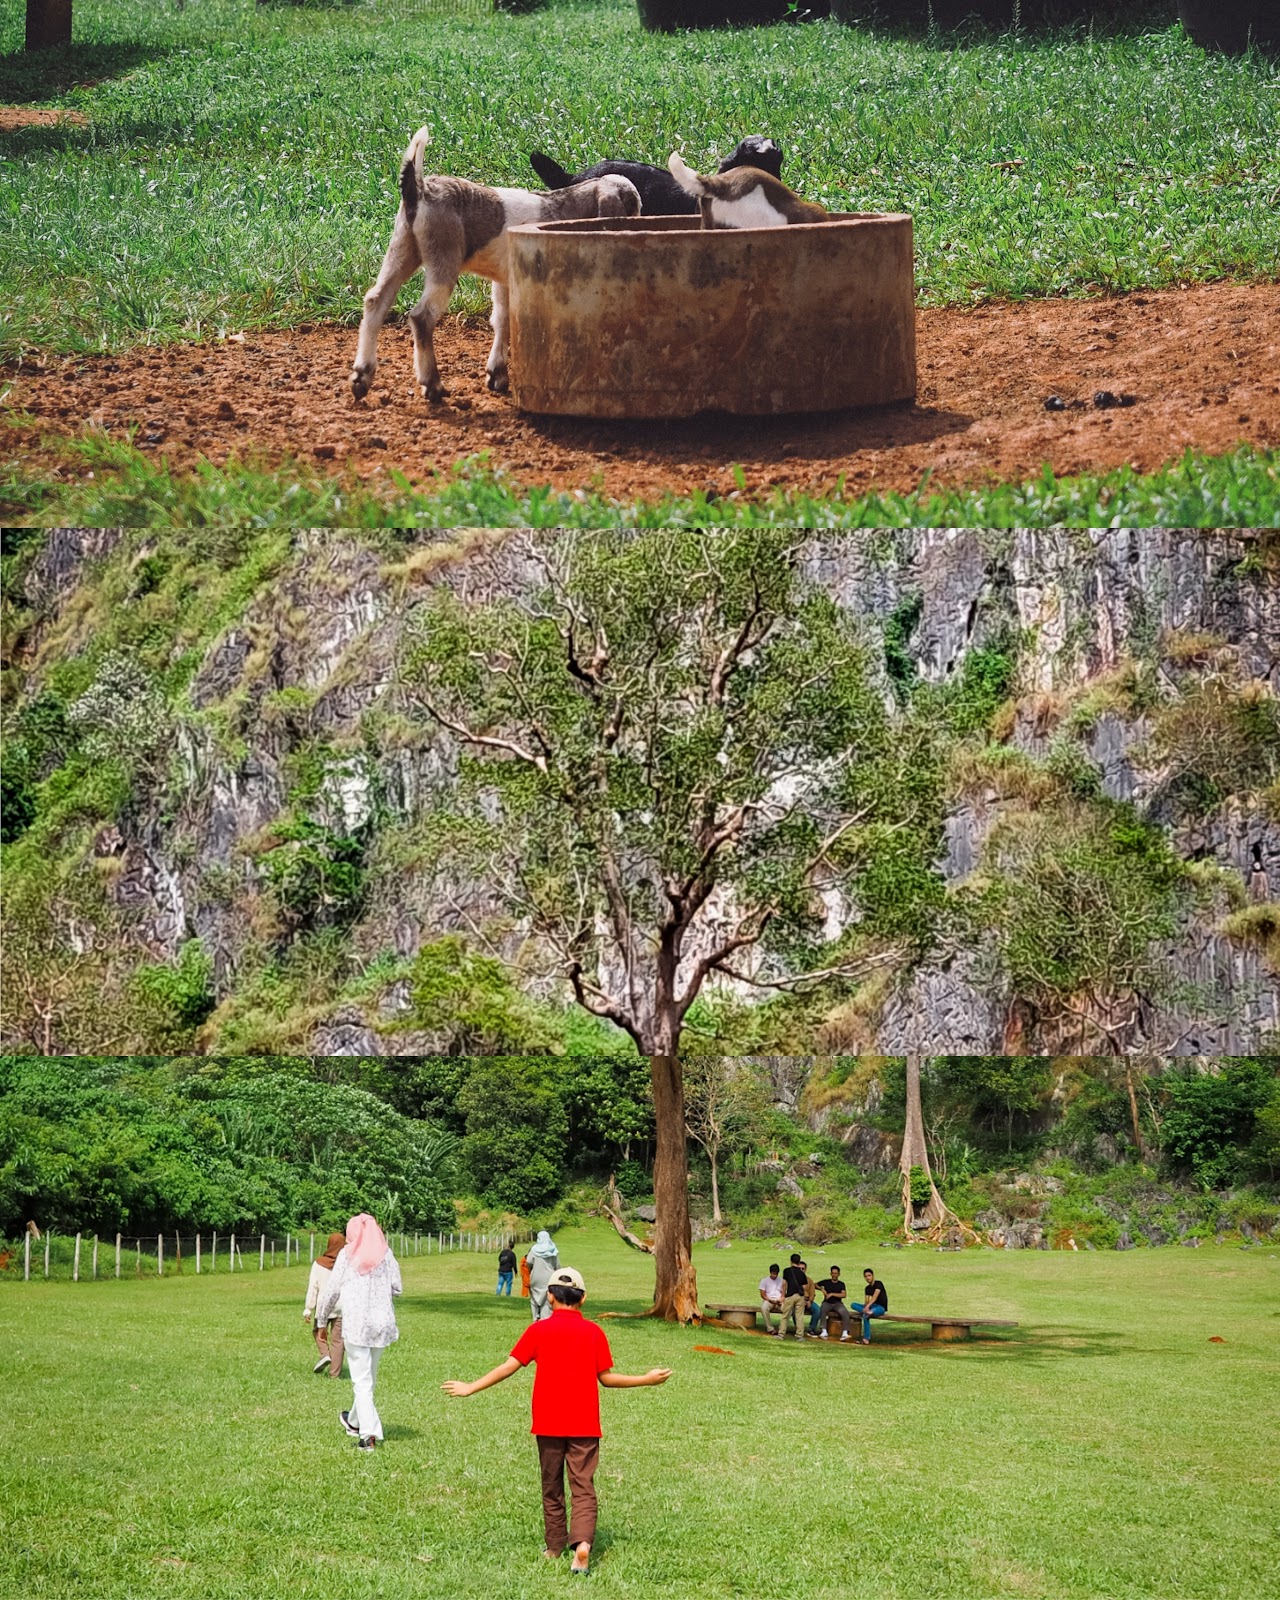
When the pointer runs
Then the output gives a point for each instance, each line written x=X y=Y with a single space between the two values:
x=663 y=746
x=724 y=1105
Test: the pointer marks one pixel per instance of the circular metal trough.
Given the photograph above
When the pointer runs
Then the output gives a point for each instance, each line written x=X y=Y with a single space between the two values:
x=659 y=317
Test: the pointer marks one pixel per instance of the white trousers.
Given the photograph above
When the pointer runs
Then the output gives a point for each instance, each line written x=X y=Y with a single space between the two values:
x=362 y=1359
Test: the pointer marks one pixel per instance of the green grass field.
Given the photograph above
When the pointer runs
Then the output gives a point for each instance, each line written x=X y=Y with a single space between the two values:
x=168 y=1439
x=239 y=167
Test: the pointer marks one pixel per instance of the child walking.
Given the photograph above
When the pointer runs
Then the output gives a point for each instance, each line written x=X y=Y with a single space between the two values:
x=572 y=1358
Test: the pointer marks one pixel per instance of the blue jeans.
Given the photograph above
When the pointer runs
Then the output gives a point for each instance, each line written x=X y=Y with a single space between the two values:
x=504 y=1283
x=876 y=1311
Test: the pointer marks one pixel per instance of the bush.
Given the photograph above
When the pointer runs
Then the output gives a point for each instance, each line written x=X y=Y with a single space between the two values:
x=632 y=1180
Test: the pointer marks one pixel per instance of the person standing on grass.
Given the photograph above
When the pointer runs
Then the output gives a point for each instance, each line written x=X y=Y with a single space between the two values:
x=328 y=1340
x=573 y=1360
x=506 y=1270
x=834 y=1289
x=772 y=1290
x=365 y=1276
x=543 y=1259
x=795 y=1278
x=875 y=1305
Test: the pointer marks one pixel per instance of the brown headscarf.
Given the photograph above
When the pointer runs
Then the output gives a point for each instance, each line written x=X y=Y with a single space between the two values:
x=336 y=1242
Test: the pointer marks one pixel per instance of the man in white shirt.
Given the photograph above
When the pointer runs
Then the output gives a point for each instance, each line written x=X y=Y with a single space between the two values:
x=772 y=1292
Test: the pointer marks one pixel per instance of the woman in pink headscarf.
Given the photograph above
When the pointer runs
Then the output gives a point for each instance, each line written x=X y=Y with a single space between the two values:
x=364 y=1278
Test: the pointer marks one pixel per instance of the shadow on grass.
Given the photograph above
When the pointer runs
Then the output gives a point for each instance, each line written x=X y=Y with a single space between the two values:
x=960 y=22
x=1040 y=1345
x=26 y=79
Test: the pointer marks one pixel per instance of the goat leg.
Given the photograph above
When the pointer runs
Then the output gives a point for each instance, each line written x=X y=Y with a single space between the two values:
x=398 y=266
x=496 y=366
x=423 y=319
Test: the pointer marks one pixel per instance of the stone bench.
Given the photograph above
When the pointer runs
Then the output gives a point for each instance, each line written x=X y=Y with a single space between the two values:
x=944 y=1329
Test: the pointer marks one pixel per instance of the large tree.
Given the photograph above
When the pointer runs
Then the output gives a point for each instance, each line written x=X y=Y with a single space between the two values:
x=661 y=738
x=48 y=24
x=725 y=1105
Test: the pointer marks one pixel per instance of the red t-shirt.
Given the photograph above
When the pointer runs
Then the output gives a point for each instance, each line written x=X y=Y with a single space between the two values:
x=570 y=1353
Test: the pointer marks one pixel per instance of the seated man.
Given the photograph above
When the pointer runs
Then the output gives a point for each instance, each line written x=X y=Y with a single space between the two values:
x=834 y=1289
x=772 y=1290
x=795 y=1278
x=875 y=1305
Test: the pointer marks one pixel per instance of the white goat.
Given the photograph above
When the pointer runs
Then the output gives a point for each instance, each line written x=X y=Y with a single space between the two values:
x=448 y=226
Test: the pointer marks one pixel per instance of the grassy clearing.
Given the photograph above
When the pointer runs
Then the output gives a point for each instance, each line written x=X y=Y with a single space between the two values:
x=170 y=1440
x=239 y=166
x=116 y=485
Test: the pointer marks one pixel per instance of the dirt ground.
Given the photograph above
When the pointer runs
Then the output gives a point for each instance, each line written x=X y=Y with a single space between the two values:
x=14 y=117
x=1202 y=365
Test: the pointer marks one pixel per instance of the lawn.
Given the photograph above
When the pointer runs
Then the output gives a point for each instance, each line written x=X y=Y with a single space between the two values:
x=238 y=166
x=168 y=1439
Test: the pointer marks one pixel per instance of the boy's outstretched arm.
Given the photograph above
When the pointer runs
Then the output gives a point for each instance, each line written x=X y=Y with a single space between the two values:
x=461 y=1390
x=623 y=1380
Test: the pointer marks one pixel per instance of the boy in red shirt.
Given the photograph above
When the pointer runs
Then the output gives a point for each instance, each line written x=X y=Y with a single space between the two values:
x=572 y=1356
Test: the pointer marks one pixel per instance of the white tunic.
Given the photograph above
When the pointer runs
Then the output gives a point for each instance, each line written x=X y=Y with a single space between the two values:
x=363 y=1300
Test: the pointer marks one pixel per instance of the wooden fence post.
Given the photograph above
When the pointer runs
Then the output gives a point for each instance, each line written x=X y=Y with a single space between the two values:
x=160 y=1255
x=117 y=1255
x=262 y=1252
x=177 y=1252
x=95 y=1258
x=197 y=1255
x=273 y=1252
x=137 y=1258
x=311 y=1254
x=26 y=1260
x=233 y=1253
x=75 y=1271
x=47 y=1239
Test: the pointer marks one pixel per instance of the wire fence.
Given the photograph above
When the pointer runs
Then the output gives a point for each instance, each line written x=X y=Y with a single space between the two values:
x=86 y=1257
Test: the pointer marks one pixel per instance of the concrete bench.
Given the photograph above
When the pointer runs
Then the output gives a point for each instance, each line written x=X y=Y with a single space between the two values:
x=944 y=1329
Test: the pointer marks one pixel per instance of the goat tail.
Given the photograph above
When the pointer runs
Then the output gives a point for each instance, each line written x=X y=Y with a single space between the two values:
x=685 y=176
x=411 y=170
x=551 y=172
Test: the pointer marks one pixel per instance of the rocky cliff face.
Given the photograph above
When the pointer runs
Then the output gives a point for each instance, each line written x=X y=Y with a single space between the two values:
x=300 y=690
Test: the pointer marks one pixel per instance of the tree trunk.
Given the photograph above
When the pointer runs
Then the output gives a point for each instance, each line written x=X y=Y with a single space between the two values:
x=1138 y=1140
x=48 y=24
x=915 y=1153
x=715 y=1189
x=676 y=1287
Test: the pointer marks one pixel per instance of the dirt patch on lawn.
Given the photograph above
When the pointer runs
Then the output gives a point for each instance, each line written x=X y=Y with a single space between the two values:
x=1202 y=366
x=14 y=117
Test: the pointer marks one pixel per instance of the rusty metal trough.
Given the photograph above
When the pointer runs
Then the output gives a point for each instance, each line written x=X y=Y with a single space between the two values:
x=657 y=317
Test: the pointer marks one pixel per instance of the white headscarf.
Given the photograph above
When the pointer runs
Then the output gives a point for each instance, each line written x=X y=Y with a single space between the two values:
x=544 y=1246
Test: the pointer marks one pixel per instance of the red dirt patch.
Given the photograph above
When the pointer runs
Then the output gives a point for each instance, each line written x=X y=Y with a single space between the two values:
x=1202 y=363
x=14 y=117
x=715 y=1350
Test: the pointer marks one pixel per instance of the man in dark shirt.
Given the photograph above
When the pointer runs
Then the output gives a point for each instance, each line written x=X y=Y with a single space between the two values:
x=875 y=1305
x=506 y=1270
x=793 y=1302
x=834 y=1289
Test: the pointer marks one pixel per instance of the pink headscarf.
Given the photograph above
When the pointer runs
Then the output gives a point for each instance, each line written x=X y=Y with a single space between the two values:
x=366 y=1243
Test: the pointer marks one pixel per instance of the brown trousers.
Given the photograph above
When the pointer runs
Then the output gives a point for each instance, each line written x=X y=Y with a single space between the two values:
x=579 y=1458
x=330 y=1343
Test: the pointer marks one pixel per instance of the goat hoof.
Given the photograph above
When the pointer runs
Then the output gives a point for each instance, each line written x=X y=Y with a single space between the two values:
x=497 y=382
x=434 y=392
x=361 y=383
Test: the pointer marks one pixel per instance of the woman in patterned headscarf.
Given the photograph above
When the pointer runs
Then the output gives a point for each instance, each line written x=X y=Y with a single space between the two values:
x=328 y=1340
x=365 y=1277
x=543 y=1260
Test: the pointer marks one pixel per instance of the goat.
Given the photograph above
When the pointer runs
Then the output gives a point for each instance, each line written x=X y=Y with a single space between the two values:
x=660 y=194
x=448 y=226
x=744 y=198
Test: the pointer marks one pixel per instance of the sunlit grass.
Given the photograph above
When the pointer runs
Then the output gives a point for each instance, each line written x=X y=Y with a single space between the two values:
x=239 y=167
x=113 y=484
x=169 y=1439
